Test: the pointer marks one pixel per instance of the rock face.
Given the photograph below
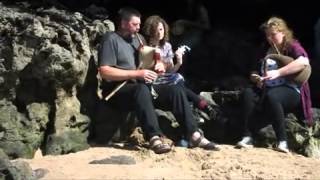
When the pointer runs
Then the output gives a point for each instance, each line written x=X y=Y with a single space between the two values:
x=305 y=140
x=14 y=170
x=47 y=69
x=22 y=134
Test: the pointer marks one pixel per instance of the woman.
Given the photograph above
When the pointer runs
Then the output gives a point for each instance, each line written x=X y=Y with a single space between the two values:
x=156 y=32
x=276 y=92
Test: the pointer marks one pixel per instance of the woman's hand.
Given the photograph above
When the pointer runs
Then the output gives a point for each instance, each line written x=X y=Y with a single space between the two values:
x=179 y=54
x=258 y=80
x=272 y=74
x=160 y=67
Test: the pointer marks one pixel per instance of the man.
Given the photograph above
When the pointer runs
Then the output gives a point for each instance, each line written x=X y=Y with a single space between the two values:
x=118 y=62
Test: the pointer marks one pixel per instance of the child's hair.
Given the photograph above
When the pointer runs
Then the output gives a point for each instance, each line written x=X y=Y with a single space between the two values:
x=150 y=30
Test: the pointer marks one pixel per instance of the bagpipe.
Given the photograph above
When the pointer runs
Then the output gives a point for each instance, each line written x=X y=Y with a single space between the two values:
x=298 y=77
x=148 y=56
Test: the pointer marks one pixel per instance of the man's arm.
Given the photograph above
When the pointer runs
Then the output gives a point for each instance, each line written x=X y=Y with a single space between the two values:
x=116 y=74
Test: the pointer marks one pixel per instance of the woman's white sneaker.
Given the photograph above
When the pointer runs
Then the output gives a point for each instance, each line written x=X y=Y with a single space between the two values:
x=282 y=146
x=246 y=142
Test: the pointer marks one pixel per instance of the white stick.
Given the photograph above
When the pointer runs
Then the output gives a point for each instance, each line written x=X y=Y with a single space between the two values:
x=115 y=90
x=125 y=82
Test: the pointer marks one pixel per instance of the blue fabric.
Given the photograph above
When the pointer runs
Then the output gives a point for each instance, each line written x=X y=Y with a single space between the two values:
x=169 y=78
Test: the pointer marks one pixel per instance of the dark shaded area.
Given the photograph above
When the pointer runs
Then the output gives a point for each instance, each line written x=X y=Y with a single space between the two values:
x=243 y=14
x=246 y=15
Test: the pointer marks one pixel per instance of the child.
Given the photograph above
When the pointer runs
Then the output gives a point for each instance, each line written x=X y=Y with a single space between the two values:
x=156 y=32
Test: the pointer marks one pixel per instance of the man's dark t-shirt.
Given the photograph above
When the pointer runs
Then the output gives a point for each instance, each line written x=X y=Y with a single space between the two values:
x=118 y=52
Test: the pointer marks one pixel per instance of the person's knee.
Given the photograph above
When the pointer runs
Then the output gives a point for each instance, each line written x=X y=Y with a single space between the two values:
x=271 y=98
x=247 y=91
x=246 y=94
x=142 y=92
x=176 y=90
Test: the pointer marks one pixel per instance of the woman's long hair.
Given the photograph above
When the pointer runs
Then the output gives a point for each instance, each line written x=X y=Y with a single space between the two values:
x=150 y=29
x=280 y=25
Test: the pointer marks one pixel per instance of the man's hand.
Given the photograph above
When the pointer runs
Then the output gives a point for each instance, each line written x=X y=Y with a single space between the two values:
x=147 y=75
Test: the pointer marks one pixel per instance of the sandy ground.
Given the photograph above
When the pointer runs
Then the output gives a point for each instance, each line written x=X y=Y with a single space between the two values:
x=181 y=163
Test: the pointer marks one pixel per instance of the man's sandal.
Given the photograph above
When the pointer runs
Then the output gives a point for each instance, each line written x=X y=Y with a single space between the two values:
x=208 y=146
x=158 y=145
